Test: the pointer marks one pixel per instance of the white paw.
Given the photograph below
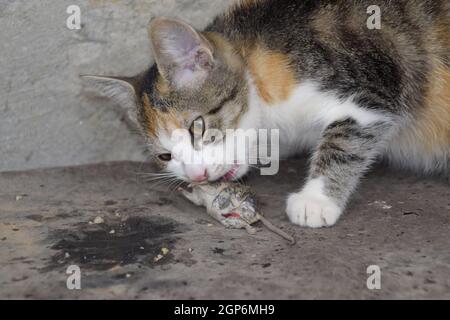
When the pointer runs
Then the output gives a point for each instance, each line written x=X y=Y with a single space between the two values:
x=312 y=210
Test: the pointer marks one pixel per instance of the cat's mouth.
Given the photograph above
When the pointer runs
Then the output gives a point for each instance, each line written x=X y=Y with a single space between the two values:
x=232 y=173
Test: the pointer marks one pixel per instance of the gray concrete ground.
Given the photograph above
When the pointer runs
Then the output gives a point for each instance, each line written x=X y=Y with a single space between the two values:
x=46 y=119
x=396 y=221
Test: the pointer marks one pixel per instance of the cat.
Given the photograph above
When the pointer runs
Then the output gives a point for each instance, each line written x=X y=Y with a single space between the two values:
x=312 y=69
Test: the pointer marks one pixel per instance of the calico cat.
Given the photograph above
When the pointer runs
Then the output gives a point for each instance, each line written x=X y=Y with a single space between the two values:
x=315 y=71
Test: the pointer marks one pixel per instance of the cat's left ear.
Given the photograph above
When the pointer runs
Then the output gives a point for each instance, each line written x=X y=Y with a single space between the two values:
x=120 y=90
x=184 y=57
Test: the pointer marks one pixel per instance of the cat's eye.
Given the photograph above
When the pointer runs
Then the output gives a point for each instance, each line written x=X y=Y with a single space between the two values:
x=165 y=157
x=227 y=99
x=212 y=136
x=217 y=109
x=197 y=127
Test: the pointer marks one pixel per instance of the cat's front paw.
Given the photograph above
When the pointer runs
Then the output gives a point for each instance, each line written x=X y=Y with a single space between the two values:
x=310 y=210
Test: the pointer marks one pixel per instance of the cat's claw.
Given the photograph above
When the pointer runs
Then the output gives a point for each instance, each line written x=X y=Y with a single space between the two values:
x=314 y=211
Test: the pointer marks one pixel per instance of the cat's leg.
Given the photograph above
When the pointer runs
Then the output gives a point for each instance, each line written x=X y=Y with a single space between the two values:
x=344 y=153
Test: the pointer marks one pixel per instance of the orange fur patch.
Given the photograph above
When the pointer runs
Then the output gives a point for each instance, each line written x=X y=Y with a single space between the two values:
x=150 y=117
x=272 y=74
x=158 y=120
x=162 y=86
x=440 y=35
x=434 y=123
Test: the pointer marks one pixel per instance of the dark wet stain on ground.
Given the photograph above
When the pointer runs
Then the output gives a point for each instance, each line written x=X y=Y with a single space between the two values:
x=35 y=217
x=96 y=247
x=160 y=201
x=218 y=250
x=110 y=202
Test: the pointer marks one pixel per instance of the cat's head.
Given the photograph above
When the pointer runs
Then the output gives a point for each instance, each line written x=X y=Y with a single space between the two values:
x=186 y=101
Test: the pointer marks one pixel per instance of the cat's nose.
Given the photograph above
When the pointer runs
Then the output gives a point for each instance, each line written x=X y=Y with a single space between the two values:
x=201 y=177
x=195 y=172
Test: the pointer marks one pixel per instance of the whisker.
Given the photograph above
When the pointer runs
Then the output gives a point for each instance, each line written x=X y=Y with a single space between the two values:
x=160 y=183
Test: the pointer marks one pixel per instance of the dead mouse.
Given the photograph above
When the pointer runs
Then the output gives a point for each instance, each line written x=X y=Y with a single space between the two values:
x=232 y=204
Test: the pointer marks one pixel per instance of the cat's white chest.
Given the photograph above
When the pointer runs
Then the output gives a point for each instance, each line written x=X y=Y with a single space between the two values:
x=303 y=116
x=299 y=125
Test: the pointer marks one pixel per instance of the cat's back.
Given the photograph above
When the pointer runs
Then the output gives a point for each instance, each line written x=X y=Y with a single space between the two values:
x=270 y=19
x=339 y=26
x=403 y=66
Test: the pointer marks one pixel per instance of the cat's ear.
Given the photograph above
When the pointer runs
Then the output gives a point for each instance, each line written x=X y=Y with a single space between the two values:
x=184 y=57
x=120 y=90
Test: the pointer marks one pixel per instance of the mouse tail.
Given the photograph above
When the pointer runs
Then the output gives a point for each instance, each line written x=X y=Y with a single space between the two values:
x=276 y=230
